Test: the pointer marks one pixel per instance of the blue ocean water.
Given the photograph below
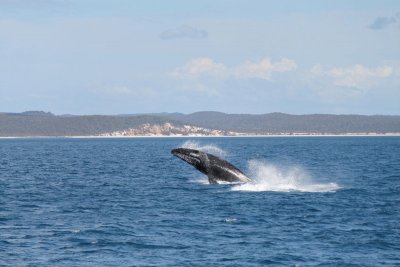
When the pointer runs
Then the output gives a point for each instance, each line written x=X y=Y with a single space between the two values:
x=314 y=201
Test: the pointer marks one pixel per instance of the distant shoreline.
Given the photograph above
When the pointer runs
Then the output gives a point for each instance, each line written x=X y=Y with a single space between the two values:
x=37 y=124
x=204 y=136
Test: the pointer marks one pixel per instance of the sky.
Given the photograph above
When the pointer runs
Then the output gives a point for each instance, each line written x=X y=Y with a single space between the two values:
x=128 y=57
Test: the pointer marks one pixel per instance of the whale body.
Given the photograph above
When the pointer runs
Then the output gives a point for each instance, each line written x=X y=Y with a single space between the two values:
x=217 y=170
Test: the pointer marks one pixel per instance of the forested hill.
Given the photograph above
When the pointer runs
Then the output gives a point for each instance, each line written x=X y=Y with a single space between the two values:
x=44 y=124
x=38 y=123
x=286 y=123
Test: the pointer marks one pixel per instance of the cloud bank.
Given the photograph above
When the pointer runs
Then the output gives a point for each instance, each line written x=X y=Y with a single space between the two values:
x=207 y=67
x=263 y=69
x=356 y=76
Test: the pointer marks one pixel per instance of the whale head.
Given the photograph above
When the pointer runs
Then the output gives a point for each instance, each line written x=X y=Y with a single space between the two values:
x=194 y=157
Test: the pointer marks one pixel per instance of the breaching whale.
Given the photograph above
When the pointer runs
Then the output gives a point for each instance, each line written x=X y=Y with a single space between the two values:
x=217 y=170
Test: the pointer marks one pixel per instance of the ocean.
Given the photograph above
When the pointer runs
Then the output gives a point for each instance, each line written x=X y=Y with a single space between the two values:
x=313 y=201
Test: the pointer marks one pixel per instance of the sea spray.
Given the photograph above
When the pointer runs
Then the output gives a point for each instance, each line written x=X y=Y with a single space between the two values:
x=212 y=149
x=270 y=177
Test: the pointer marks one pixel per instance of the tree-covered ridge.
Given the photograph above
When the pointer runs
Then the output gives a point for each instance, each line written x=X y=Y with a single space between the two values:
x=28 y=125
x=34 y=123
x=287 y=123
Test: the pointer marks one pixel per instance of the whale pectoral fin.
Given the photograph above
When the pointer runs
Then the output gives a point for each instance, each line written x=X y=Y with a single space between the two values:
x=212 y=179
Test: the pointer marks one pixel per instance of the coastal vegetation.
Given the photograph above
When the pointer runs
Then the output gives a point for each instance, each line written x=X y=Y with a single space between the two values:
x=38 y=123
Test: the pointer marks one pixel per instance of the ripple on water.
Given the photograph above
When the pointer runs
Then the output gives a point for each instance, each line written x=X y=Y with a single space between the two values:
x=128 y=202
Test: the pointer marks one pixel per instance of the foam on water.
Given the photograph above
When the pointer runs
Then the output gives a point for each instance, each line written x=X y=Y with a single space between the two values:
x=269 y=177
x=212 y=149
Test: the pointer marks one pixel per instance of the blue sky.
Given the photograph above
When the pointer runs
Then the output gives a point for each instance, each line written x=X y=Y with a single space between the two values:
x=118 y=57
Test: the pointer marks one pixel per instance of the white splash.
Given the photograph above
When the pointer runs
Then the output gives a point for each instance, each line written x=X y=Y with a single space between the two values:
x=212 y=149
x=269 y=177
x=230 y=220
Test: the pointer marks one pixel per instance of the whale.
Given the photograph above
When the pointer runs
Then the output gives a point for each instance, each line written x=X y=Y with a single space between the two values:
x=217 y=170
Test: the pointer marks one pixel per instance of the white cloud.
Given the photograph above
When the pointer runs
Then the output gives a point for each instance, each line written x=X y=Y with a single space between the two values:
x=201 y=67
x=263 y=69
x=198 y=72
x=207 y=67
x=356 y=76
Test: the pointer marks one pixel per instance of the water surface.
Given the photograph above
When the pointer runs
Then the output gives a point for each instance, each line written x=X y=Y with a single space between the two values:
x=330 y=201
